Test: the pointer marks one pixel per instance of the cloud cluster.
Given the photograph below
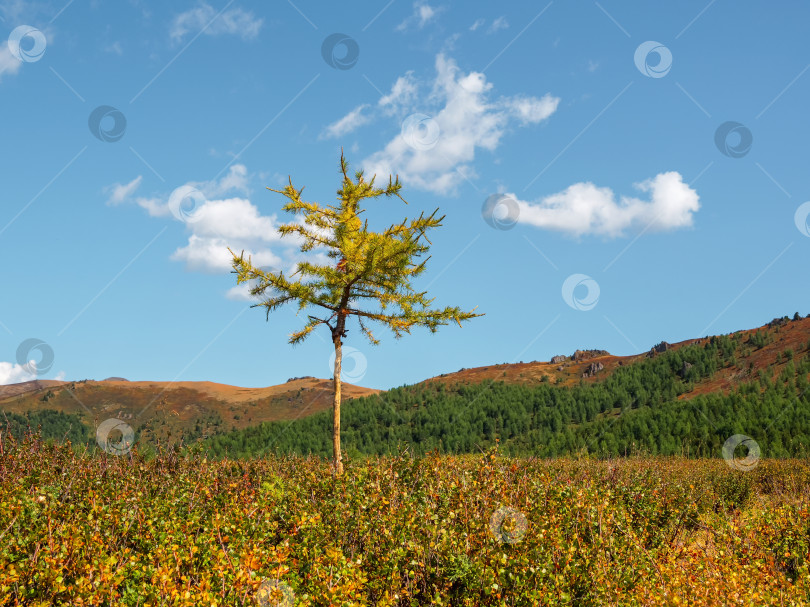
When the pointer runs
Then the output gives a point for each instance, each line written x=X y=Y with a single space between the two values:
x=354 y=119
x=460 y=112
x=235 y=21
x=234 y=223
x=465 y=118
x=422 y=14
x=234 y=180
x=221 y=221
x=584 y=208
x=498 y=24
x=12 y=373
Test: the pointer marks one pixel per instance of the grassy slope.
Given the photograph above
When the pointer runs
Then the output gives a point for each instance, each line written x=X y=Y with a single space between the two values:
x=161 y=411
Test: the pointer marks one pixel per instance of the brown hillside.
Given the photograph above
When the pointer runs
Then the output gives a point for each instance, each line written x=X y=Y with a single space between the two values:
x=170 y=410
x=191 y=410
x=784 y=335
x=28 y=386
x=576 y=367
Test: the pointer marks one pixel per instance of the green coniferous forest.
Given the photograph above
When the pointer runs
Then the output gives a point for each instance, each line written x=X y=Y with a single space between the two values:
x=52 y=425
x=643 y=407
x=648 y=406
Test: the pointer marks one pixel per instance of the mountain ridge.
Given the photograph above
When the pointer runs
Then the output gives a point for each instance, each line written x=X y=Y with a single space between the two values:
x=193 y=410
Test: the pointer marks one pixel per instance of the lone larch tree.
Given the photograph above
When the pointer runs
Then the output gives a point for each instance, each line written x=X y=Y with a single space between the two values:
x=369 y=276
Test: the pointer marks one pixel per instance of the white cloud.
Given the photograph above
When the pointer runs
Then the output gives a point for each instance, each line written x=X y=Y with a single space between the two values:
x=239 y=293
x=235 y=223
x=9 y=64
x=499 y=24
x=11 y=373
x=402 y=94
x=584 y=208
x=531 y=110
x=422 y=14
x=464 y=118
x=347 y=124
x=235 y=180
x=235 y=21
x=402 y=97
x=156 y=207
x=220 y=222
x=426 y=13
x=121 y=192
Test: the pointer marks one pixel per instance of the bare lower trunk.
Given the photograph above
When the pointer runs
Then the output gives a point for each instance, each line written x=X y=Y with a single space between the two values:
x=338 y=464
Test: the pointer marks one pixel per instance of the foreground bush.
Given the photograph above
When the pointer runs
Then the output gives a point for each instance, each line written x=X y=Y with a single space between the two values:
x=468 y=530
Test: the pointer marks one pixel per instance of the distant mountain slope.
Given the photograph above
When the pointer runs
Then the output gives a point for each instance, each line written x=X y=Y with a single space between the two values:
x=680 y=398
x=163 y=411
x=584 y=365
x=509 y=402
x=29 y=386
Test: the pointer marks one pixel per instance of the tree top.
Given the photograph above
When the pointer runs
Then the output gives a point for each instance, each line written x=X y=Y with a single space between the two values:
x=353 y=271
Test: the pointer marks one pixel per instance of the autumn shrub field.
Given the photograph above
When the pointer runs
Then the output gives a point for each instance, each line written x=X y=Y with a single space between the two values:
x=96 y=529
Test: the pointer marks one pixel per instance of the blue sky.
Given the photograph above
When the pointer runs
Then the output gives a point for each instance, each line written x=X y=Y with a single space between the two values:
x=613 y=175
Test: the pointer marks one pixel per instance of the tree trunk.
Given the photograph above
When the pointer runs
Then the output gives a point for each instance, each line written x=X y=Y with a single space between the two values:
x=338 y=463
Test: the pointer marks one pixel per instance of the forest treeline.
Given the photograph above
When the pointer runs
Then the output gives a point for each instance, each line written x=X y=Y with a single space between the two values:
x=640 y=407
x=52 y=425
x=636 y=409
